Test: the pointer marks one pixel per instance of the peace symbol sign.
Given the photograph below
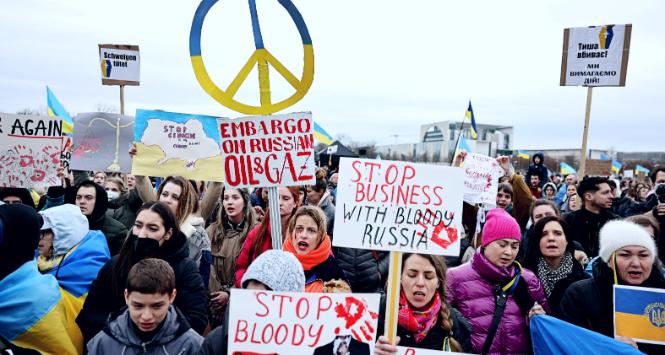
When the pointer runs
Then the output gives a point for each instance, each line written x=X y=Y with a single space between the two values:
x=261 y=57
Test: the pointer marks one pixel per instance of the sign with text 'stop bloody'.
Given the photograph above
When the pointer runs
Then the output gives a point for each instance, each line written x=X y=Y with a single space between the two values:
x=399 y=206
x=265 y=151
x=266 y=322
x=30 y=149
x=595 y=55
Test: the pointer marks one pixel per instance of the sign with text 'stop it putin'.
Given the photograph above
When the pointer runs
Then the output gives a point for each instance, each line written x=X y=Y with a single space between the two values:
x=595 y=55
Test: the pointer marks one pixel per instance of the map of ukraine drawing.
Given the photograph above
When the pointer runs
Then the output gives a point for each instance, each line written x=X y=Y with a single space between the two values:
x=184 y=141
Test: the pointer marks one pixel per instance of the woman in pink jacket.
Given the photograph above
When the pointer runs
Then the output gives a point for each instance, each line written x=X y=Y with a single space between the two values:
x=494 y=293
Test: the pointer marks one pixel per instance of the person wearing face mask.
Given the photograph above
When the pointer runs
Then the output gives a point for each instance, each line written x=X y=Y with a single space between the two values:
x=551 y=257
x=425 y=319
x=306 y=238
x=234 y=221
x=494 y=292
x=123 y=203
x=155 y=235
x=628 y=255
x=93 y=202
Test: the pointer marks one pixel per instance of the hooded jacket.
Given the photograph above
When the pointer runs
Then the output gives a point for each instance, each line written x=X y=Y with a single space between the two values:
x=191 y=296
x=174 y=337
x=226 y=243
x=471 y=291
x=589 y=303
x=114 y=231
x=23 y=194
x=538 y=169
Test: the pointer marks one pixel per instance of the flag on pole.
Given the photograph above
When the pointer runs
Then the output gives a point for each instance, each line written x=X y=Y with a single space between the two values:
x=472 y=118
x=522 y=154
x=55 y=109
x=616 y=166
x=321 y=135
x=567 y=169
x=639 y=168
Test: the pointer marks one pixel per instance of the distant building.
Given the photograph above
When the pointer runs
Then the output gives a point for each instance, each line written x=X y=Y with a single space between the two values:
x=438 y=140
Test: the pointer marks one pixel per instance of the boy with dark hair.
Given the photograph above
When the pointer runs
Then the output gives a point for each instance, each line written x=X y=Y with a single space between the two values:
x=150 y=324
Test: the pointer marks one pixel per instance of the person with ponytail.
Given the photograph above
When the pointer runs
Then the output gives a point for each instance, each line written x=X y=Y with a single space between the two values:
x=425 y=319
x=259 y=240
x=628 y=257
x=495 y=293
x=308 y=241
x=155 y=234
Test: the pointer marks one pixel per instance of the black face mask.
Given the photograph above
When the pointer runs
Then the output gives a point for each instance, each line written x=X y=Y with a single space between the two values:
x=144 y=247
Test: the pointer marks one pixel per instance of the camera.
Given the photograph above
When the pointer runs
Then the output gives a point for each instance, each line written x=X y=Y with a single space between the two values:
x=660 y=193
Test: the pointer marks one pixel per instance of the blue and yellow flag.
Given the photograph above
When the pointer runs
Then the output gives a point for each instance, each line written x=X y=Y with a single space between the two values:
x=566 y=169
x=55 y=109
x=640 y=169
x=472 y=119
x=321 y=135
x=616 y=166
x=522 y=154
x=639 y=313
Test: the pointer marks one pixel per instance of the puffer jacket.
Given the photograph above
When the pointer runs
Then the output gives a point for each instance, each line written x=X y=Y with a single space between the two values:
x=366 y=270
x=119 y=337
x=471 y=291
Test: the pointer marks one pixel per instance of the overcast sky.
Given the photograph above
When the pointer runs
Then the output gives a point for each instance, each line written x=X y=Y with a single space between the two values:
x=383 y=68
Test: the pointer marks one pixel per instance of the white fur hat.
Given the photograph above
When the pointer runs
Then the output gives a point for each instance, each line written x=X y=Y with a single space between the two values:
x=618 y=234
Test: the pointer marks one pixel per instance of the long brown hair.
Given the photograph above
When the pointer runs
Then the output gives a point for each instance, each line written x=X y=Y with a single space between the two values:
x=445 y=317
x=263 y=234
x=314 y=213
x=188 y=202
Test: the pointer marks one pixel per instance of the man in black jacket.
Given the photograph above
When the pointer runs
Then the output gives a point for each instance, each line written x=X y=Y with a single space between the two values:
x=585 y=223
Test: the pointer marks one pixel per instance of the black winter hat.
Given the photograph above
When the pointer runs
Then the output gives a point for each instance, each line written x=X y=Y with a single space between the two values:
x=23 y=194
x=21 y=226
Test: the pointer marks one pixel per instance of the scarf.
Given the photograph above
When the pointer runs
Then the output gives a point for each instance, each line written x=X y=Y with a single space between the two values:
x=549 y=278
x=314 y=257
x=418 y=322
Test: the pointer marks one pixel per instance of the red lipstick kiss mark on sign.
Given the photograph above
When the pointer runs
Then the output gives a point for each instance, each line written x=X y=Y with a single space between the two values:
x=451 y=233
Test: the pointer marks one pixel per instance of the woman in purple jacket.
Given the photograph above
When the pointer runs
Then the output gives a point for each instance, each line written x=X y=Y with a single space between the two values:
x=494 y=293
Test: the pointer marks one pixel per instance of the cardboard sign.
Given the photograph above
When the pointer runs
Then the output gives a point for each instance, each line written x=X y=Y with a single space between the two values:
x=597 y=167
x=266 y=322
x=595 y=55
x=264 y=151
x=30 y=149
x=481 y=180
x=101 y=142
x=120 y=64
x=402 y=350
x=639 y=313
x=398 y=206
x=628 y=173
x=170 y=143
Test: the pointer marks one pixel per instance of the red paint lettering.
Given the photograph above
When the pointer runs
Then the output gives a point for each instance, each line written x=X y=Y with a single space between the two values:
x=241 y=330
x=260 y=301
x=281 y=302
x=321 y=308
x=299 y=308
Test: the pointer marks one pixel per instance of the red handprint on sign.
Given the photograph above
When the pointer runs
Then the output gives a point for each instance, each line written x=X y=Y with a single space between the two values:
x=357 y=318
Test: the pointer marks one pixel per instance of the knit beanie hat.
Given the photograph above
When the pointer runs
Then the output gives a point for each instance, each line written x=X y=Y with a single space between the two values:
x=618 y=234
x=278 y=270
x=500 y=225
x=20 y=236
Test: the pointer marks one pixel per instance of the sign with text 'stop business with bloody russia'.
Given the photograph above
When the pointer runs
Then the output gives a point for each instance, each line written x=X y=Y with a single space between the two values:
x=399 y=206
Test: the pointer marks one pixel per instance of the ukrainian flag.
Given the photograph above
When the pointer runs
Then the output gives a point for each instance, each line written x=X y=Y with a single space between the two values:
x=35 y=313
x=55 y=109
x=472 y=119
x=321 y=135
x=639 y=168
x=616 y=166
x=639 y=313
x=522 y=154
x=567 y=169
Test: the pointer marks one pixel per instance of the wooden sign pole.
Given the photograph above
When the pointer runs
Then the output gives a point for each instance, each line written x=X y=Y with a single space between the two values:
x=392 y=297
x=586 y=132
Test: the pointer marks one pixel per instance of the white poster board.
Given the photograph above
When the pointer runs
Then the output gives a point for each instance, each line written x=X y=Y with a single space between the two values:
x=481 y=180
x=265 y=151
x=628 y=173
x=266 y=322
x=595 y=55
x=30 y=150
x=398 y=206
x=120 y=64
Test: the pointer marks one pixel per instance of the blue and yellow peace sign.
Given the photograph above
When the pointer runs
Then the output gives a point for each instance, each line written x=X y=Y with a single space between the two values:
x=261 y=57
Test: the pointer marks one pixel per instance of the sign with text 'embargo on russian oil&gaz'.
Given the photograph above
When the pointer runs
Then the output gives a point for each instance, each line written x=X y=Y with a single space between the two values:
x=595 y=55
x=120 y=64
x=399 y=206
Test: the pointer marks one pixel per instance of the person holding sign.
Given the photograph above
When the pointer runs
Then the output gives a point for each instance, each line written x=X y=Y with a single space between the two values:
x=259 y=240
x=308 y=241
x=494 y=292
x=628 y=256
x=425 y=319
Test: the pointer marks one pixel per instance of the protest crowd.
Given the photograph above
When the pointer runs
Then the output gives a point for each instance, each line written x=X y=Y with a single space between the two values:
x=120 y=264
